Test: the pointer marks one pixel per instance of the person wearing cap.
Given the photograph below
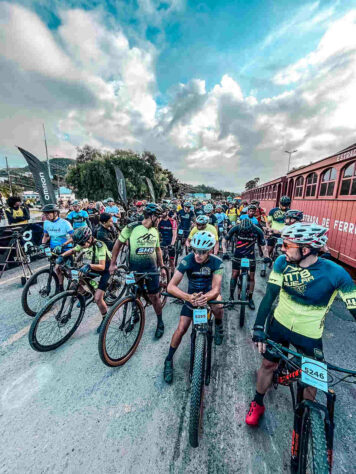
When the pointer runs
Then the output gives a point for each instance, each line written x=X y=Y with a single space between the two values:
x=305 y=286
x=204 y=272
x=105 y=231
x=78 y=217
x=57 y=233
x=139 y=210
x=113 y=210
x=92 y=210
x=251 y=211
x=145 y=255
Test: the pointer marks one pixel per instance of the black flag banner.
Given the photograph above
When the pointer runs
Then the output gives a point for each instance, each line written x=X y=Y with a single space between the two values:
x=39 y=171
x=150 y=188
x=121 y=186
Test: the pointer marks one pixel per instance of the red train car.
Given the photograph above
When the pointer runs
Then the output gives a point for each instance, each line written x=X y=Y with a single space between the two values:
x=326 y=192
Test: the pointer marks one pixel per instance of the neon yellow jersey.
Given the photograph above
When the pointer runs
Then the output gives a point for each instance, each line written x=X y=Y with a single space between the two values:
x=232 y=214
x=143 y=244
x=99 y=250
x=307 y=293
x=208 y=228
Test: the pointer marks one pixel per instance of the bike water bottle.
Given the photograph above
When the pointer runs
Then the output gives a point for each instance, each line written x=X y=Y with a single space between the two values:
x=94 y=284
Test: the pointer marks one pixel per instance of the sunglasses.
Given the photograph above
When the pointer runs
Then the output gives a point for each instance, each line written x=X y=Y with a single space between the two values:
x=287 y=245
x=200 y=252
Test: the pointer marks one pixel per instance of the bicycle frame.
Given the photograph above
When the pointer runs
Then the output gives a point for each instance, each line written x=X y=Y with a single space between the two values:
x=207 y=330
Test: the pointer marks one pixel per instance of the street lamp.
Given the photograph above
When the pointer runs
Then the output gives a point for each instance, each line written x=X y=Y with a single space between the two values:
x=290 y=153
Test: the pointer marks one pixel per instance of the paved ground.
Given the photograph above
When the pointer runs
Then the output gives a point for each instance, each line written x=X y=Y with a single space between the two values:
x=65 y=412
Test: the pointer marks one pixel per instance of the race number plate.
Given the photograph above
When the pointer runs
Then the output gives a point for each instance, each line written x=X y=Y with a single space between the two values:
x=75 y=274
x=245 y=263
x=200 y=316
x=180 y=232
x=279 y=241
x=130 y=279
x=315 y=373
x=48 y=252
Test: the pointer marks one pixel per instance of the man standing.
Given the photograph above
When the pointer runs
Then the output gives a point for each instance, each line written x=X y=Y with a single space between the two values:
x=16 y=213
x=78 y=217
x=113 y=210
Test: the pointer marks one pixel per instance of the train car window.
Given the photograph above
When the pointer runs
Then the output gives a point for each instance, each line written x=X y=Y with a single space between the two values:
x=311 y=181
x=299 y=184
x=328 y=182
x=274 y=192
x=348 y=184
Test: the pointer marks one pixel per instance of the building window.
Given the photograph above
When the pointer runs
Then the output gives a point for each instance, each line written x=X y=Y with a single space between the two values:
x=299 y=187
x=311 y=181
x=274 y=192
x=348 y=183
x=328 y=182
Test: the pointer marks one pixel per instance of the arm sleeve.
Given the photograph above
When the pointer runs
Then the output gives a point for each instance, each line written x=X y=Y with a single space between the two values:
x=103 y=237
x=347 y=291
x=266 y=304
x=276 y=275
x=231 y=232
x=182 y=267
x=124 y=235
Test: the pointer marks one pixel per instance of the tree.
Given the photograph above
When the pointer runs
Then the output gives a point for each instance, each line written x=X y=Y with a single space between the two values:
x=87 y=153
x=252 y=183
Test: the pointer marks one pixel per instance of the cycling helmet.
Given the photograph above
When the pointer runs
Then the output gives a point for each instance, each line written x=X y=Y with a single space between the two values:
x=173 y=207
x=202 y=220
x=208 y=208
x=50 y=208
x=203 y=240
x=246 y=226
x=255 y=202
x=109 y=200
x=81 y=235
x=187 y=204
x=165 y=207
x=153 y=209
x=76 y=203
x=139 y=203
x=285 y=201
x=252 y=207
x=294 y=214
x=311 y=235
x=218 y=206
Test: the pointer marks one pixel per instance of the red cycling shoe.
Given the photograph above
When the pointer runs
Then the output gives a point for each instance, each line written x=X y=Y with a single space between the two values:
x=254 y=414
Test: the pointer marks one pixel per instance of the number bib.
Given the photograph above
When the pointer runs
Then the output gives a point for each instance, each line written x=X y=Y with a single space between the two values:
x=245 y=263
x=200 y=316
x=315 y=373
x=130 y=279
x=279 y=241
x=180 y=232
x=48 y=252
x=75 y=274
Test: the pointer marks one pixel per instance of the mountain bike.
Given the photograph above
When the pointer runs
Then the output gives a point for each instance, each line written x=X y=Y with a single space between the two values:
x=179 y=245
x=313 y=429
x=123 y=326
x=200 y=363
x=58 y=320
x=243 y=286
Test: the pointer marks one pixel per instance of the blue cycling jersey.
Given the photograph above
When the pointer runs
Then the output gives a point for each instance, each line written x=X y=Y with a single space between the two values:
x=58 y=231
x=78 y=218
x=252 y=219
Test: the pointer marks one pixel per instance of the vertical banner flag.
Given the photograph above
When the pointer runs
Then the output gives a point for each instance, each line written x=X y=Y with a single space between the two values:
x=121 y=186
x=43 y=183
x=150 y=188
x=170 y=190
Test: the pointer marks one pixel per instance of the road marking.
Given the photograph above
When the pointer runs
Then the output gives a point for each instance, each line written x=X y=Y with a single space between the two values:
x=16 y=337
x=19 y=276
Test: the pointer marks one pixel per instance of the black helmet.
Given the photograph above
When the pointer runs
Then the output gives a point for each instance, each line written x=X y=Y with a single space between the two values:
x=153 y=209
x=246 y=226
x=252 y=206
x=255 y=202
x=285 y=201
x=294 y=214
x=164 y=207
x=50 y=208
x=81 y=235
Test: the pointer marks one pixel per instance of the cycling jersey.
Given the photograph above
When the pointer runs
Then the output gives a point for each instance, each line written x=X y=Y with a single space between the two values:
x=208 y=228
x=232 y=214
x=95 y=253
x=78 y=219
x=166 y=228
x=221 y=217
x=58 y=231
x=199 y=212
x=143 y=244
x=212 y=219
x=185 y=219
x=252 y=219
x=276 y=218
x=307 y=293
x=200 y=275
x=112 y=210
x=245 y=244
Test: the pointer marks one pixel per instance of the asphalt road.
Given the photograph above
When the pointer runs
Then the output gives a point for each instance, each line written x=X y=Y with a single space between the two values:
x=66 y=412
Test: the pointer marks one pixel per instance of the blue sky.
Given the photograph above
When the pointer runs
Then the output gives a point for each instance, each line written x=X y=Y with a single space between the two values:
x=210 y=87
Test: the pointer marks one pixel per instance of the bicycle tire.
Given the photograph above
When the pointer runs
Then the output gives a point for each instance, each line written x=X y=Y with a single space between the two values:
x=33 y=333
x=106 y=358
x=243 y=296
x=197 y=390
x=313 y=432
x=26 y=304
x=109 y=300
x=163 y=285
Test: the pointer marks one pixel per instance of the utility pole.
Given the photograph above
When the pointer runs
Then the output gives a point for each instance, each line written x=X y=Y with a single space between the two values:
x=9 y=175
x=290 y=153
x=45 y=140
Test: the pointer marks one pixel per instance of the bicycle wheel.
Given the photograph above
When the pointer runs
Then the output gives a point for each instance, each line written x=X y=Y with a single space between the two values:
x=163 y=284
x=116 y=286
x=57 y=321
x=121 y=332
x=313 y=456
x=38 y=290
x=243 y=296
x=197 y=390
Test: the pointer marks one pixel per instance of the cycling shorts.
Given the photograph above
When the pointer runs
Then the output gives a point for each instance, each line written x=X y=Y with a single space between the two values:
x=282 y=335
x=104 y=277
x=171 y=249
x=237 y=265
x=152 y=283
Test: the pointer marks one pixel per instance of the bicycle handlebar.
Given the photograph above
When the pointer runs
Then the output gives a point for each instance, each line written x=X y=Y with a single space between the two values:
x=240 y=302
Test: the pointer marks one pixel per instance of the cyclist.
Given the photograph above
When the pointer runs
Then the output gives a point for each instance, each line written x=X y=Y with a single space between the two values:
x=251 y=211
x=167 y=228
x=139 y=210
x=247 y=235
x=17 y=213
x=260 y=213
x=105 y=231
x=202 y=223
x=292 y=216
x=204 y=272
x=232 y=213
x=209 y=211
x=198 y=211
x=185 y=220
x=275 y=222
x=306 y=286
x=112 y=209
x=92 y=210
x=145 y=255
x=97 y=253
x=57 y=232
x=78 y=217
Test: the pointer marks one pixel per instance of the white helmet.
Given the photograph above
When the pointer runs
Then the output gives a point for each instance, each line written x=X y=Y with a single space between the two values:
x=202 y=219
x=203 y=240
x=312 y=235
x=208 y=208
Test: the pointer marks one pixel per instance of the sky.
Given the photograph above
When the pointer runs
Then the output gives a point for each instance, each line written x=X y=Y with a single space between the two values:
x=218 y=90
